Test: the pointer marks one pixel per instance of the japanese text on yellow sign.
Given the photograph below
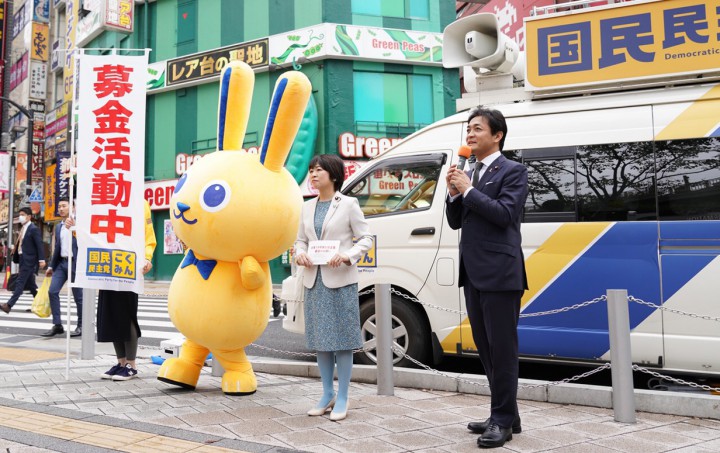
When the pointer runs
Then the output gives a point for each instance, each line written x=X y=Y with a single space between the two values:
x=643 y=40
x=370 y=258
x=111 y=263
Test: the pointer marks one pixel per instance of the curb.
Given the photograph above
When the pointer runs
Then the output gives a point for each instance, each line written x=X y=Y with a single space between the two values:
x=662 y=402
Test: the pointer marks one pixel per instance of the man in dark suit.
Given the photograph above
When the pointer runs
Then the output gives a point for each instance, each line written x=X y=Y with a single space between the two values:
x=58 y=270
x=31 y=253
x=487 y=205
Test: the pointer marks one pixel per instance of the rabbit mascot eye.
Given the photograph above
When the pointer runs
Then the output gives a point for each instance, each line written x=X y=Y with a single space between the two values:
x=235 y=211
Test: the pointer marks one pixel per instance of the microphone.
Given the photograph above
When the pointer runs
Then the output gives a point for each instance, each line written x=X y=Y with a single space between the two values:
x=464 y=152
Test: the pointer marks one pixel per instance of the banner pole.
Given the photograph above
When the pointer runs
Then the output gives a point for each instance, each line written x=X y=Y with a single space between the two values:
x=76 y=54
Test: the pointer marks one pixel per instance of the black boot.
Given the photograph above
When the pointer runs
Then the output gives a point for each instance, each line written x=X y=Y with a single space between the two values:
x=57 y=329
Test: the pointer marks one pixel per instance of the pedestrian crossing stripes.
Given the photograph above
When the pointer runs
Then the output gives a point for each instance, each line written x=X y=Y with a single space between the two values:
x=152 y=316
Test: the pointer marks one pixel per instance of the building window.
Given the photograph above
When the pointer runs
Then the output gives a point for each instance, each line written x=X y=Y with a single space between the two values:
x=411 y=9
x=393 y=98
x=186 y=21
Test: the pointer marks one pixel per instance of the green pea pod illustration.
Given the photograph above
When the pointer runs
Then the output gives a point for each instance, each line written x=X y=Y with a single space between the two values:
x=288 y=51
x=346 y=43
x=282 y=58
x=303 y=148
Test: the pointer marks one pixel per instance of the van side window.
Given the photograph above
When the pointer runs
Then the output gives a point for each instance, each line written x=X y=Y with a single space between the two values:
x=688 y=179
x=398 y=185
x=593 y=183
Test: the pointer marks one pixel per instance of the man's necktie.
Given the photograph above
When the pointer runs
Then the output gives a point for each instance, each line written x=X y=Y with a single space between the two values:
x=205 y=267
x=476 y=173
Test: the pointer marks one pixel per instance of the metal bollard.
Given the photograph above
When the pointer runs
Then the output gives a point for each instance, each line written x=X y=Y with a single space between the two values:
x=383 y=351
x=87 y=342
x=623 y=396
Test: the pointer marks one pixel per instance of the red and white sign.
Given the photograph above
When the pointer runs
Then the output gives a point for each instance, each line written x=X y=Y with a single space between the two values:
x=158 y=193
x=353 y=147
x=111 y=167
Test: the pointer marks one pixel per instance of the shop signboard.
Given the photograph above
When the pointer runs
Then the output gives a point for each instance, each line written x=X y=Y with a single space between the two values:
x=38 y=109
x=41 y=10
x=20 y=19
x=119 y=15
x=203 y=65
x=90 y=25
x=38 y=79
x=39 y=42
x=71 y=14
x=50 y=200
x=55 y=56
x=19 y=71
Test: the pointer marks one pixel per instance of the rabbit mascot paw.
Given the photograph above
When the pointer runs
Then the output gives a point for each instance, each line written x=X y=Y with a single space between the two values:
x=235 y=211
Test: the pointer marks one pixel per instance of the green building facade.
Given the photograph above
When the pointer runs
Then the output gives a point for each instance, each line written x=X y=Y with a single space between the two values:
x=375 y=67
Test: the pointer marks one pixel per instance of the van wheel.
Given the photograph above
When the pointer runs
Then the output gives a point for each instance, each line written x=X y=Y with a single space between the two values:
x=408 y=330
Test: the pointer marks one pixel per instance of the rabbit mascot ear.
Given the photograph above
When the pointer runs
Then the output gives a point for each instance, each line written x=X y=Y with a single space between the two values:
x=235 y=211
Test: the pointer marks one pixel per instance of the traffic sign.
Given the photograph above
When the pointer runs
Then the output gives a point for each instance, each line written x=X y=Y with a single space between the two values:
x=36 y=195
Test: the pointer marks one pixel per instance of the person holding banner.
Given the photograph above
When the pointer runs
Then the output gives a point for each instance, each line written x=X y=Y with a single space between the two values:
x=117 y=316
x=28 y=253
x=328 y=224
x=59 y=272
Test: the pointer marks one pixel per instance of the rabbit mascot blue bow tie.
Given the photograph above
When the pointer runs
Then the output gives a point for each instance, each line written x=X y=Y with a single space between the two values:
x=235 y=211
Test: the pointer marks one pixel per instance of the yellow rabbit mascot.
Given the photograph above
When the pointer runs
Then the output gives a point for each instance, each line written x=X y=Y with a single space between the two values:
x=235 y=211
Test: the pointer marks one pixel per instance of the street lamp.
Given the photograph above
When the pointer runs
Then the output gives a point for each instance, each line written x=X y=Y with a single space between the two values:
x=31 y=131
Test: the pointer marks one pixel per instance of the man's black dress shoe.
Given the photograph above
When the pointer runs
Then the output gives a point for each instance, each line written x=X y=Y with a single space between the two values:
x=494 y=436
x=5 y=307
x=56 y=330
x=77 y=332
x=480 y=427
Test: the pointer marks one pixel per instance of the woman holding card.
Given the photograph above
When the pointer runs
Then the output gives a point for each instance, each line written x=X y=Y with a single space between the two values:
x=324 y=246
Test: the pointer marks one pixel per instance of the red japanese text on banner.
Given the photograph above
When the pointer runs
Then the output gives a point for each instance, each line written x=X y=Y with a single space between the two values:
x=110 y=169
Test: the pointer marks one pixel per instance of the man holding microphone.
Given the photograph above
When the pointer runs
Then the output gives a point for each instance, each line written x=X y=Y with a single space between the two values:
x=487 y=205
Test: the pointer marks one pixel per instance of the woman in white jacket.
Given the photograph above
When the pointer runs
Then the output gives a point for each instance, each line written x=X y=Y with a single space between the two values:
x=332 y=315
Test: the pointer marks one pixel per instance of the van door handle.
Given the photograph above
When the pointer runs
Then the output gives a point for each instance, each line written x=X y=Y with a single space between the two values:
x=423 y=231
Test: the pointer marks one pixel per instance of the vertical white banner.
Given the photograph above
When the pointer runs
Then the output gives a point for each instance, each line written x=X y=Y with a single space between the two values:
x=4 y=172
x=110 y=172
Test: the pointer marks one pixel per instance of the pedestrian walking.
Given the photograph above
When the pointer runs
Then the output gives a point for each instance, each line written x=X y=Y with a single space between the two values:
x=29 y=253
x=58 y=271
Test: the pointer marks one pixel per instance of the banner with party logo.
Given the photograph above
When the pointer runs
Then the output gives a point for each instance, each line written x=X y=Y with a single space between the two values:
x=110 y=172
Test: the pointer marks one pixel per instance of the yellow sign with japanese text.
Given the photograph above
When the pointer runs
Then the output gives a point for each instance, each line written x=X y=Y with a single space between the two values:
x=71 y=8
x=642 y=40
x=50 y=202
x=39 y=45
x=370 y=258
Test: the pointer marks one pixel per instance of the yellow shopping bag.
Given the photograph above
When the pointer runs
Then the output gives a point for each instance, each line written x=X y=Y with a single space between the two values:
x=41 y=303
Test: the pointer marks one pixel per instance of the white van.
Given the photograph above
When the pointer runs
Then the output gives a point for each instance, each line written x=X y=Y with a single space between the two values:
x=624 y=189
x=624 y=194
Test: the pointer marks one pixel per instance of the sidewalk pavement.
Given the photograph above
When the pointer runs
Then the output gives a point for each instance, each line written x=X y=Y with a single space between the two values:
x=428 y=412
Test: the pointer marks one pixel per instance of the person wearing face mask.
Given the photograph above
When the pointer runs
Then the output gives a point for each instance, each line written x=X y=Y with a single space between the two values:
x=30 y=250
